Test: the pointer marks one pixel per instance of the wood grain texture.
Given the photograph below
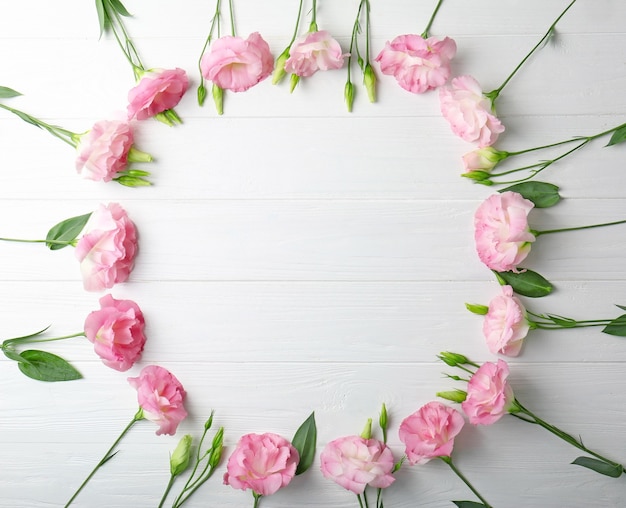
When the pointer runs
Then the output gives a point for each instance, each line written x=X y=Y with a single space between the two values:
x=295 y=257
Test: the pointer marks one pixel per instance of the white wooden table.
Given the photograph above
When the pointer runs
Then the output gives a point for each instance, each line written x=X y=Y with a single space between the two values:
x=295 y=257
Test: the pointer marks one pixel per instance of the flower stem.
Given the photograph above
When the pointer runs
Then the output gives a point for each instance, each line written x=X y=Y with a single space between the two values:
x=257 y=499
x=31 y=340
x=519 y=409
x=448 y=460
x=548 y=231
x=232 y=18
x=107 y=456
x=54 y=242
x=63 y=134
x=493 y=95
x=167 y=490
x=206 y=45
x=430 y=21
x=127 y=47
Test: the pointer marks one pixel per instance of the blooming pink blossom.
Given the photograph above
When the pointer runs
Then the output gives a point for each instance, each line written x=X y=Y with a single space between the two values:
x=430 y=432
x=468 y=112
x=312 y=52
x=117 y=332
x=161 y=397
x=107 y=249
x=237 y=64
x=505 y=325
x=103 y=150
x=503 y=237
x=489 y=395
x=418 y=64
x=261 y=462
x=157 y=91
x=355 y=462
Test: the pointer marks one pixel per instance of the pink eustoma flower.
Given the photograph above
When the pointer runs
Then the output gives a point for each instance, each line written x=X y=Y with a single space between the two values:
x=354 y=462
x=468 y=112
x=503 y=237
x=160 y=396
x=263 y=463
x=117 y=332
x=157 y=91
x=483 y=159
x=505 y=325
x=430 y=432
x=489 y=395
x=236 y=64
x=312 y=52
x=103 y=150
x=418 y=64
x=107 y=249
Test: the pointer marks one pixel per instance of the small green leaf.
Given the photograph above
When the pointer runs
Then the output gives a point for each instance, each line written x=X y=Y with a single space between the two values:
x=564 y=322
x=119 y=8
x=13 y=355
x=102 y=17
x=26 y=117
x=7 y=93
x=617 y=326
x=526 y=283
x=600 y=466
x=542 y=194
x=469 y=504
x=619 y=136
x=44 y=366
x=305 y=440
x=66 y=231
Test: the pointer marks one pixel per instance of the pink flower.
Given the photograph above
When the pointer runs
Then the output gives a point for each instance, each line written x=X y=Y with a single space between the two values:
x=157 y=91
x=116 y=331
x=261 y=462
x=430 y=432
x=107 y=249
x=503 y=237
x=103 y=151
x=489 y=395
x=237 y=64
x=468 y=112
x=505 y=325
x=312 y=52
x=355 y=462
x=418 y=64
x=160 y=396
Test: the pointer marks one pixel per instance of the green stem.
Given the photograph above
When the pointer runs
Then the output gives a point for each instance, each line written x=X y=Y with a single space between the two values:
x=358 y=496
x=448 y=460
x=257 y=499
x=63 y=134
x=232 y=17
x=430 y=21
x=559 y=433
x=167 y=490
x=30 y=340
x=54 y=242
x=548 y=231
x=314 y=15
x=127 y=47
x=107 y=456
x=493 y=95
x=367 y=505
x=208 y=41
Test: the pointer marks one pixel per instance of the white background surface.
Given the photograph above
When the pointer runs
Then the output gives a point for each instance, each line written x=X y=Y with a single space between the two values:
x=295 y=257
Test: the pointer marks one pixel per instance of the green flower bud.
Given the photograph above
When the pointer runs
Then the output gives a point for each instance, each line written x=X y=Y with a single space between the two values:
x=348 y=94
x=168 y=117
x=369 y=80
x=382 y=419
x=453 y=359
x=279 y=67
x=367 y=430
x=454 y=396
x=293 y=82
x=135 y=155
x=481 y=310
x=218 y=98
x=201 y=94
x=477 y=175
x=216 y=448
x=132 y=181
x=179 y=460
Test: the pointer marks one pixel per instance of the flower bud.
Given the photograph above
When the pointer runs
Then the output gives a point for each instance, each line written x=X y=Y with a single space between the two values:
x=293 y=82
x=476 y=175
x=179 y=460
x=279 y=67
x=348 y=94
x=218 y=98
x=369 y=80
x=201 y=94
x=453 y=359
x=135 y=155
x=132 y=181
x=475 y=308
x=382 y=419
x=216 y=448
x=367 y=430
x=454 y=395
x=483 y=159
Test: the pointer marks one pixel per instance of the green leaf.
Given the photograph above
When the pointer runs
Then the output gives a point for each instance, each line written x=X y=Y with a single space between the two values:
x=542 y=194
x=305 y=440
x=44 y=366
x=600 y=466
x=14 y=355
x=7 y=93
x=119 y=8
x=619 y=136
x=617 y=326
x=469 y=504
x=26 y=117
x=66 y=231
x=102 y=16
x=526 y=283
